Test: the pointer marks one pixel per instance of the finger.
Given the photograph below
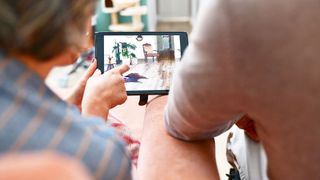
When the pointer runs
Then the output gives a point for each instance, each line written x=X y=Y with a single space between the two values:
x=91 y=69
x=89 y=72
x=124 y=98
x=96 y=73
x=121 y=69
x=119 y=78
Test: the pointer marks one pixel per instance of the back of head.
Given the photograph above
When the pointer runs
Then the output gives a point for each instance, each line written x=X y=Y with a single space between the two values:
x=43 y=29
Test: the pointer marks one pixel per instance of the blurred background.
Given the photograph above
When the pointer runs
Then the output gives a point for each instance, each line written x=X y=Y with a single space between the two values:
x=126 y=16
x=155 y=15
x=135 y=15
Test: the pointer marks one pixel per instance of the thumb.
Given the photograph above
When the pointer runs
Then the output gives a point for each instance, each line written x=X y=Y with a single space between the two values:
x=89 y=72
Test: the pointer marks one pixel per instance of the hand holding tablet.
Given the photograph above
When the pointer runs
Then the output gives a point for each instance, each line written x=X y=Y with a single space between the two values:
x=152 y=57
x=111 y=90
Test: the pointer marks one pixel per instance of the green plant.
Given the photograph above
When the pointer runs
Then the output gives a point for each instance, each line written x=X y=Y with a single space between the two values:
x=132 y=55
x=126 y=50
x=116 y=50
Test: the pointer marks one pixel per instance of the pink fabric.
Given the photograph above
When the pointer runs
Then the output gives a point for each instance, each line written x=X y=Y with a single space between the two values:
x=133 y=145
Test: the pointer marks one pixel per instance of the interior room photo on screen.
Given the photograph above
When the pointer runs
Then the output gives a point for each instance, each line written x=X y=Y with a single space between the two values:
x=151 y=59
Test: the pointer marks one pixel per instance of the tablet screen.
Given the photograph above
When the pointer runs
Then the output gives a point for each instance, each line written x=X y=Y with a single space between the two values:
x=152 y=59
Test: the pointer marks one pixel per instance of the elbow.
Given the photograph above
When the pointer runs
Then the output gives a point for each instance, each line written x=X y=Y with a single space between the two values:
x=191 y=132
x=181 y=132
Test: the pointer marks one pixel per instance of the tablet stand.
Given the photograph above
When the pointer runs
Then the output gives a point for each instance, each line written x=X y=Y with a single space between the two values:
x=143 y=99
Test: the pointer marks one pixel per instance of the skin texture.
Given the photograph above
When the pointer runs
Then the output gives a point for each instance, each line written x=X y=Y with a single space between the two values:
x=95 y=94
x=165 y=157
x=104 y=91
x=76 y=94
x=248 y=125
x=260 y=59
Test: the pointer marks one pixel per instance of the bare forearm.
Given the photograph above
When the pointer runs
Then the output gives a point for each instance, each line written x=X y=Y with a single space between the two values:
x=164 y=157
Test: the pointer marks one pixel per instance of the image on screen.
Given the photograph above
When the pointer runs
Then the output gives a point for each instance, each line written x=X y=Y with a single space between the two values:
x=151 y=58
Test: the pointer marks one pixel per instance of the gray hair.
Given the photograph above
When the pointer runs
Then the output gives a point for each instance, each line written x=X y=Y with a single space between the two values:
x=43 y=28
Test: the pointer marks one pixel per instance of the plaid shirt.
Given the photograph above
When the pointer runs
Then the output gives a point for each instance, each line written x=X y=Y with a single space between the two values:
x=33 y=118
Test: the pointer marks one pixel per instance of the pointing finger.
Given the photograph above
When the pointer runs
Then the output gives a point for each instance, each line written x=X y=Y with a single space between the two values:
x=121 y=69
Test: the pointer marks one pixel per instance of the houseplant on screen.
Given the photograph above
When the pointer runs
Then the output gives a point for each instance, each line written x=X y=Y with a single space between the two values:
x=127 y=51
x=116 y=51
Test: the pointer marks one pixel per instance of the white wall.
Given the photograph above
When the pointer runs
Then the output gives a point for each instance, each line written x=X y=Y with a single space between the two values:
x=152 y=15
x=194 y=10
x=174 y=10
x=196 y=7
x=203 y=2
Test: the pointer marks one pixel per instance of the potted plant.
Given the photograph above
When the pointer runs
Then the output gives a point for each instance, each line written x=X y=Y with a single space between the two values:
x=116 y=51
x=126 y=51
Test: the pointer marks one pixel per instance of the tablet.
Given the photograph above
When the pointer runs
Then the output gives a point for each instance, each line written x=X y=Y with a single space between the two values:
x=152 y=57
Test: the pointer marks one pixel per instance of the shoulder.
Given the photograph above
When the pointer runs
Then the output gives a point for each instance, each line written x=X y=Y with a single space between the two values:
x=47 y=123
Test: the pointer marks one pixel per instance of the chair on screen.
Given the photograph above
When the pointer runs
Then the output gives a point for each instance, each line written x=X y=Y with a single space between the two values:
x=149 y=52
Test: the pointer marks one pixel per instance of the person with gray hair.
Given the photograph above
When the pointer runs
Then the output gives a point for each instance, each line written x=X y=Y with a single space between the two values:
x=35 y=36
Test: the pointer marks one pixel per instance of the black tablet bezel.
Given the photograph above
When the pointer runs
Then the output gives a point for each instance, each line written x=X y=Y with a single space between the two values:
x=99 y=48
